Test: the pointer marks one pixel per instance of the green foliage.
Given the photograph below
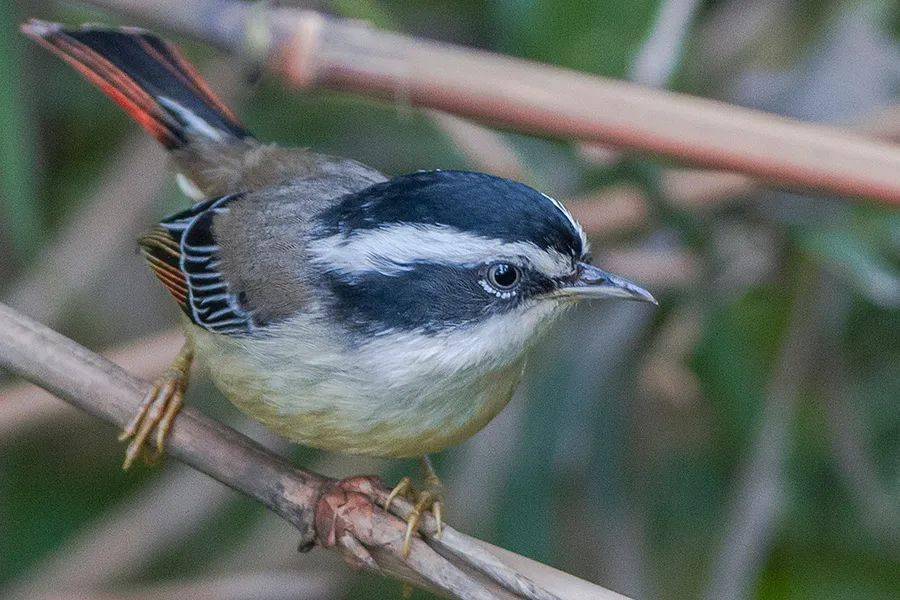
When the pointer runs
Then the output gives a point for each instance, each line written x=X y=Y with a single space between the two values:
x=735 y=357
x=52 y=487
x=19 y=212
x=797 y=573
x=863 y=248
x=595 y=36
x=343 y=125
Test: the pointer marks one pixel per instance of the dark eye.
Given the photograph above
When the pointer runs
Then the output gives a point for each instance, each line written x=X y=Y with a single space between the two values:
x=503 y=276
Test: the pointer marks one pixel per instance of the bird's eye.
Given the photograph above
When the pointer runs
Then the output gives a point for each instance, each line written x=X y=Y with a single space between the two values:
x=503 y=276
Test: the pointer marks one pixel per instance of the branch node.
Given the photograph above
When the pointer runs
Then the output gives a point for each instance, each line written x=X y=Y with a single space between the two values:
x=345 y=518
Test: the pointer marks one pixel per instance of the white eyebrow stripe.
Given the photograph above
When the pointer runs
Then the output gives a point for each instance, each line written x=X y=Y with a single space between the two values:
x=585 y=244
x=394 y=248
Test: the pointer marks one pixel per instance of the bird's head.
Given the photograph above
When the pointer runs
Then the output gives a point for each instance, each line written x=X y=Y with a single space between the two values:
x=451 y=253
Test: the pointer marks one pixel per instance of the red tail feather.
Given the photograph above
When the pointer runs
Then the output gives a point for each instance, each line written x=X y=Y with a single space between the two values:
x=144 y=75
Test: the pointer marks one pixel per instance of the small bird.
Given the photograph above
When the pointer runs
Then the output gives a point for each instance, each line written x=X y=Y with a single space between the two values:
x=343 y=309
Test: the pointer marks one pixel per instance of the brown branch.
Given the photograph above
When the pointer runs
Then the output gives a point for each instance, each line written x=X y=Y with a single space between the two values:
x=699 y=188
x=25 y=405
x=884 y=124
x=310 y=50
x=343 y=516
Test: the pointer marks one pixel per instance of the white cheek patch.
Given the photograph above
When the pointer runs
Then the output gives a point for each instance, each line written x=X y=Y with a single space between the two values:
x=395 y=248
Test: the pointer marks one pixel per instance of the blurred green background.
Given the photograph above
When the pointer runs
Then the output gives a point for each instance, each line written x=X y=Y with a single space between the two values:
x=741 y=441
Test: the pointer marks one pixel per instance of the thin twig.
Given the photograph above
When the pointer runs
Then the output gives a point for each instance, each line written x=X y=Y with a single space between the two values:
x=310 y=50
x=609 y=519
x=731 y=28
x=91 y=239
x=483 y=147
x=659 y=57
x=345 y=517
x=478 y=474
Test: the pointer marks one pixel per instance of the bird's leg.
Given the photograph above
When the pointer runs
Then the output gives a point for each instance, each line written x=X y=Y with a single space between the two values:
x=429 y=498
x=159 y=407
x=435 y=487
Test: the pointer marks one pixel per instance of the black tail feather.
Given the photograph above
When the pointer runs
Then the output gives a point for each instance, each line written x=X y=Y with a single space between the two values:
x=147 y=77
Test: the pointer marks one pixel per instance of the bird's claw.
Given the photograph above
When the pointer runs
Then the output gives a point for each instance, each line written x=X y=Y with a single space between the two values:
x=431 y=498
x=404 y=489
x=158 y=410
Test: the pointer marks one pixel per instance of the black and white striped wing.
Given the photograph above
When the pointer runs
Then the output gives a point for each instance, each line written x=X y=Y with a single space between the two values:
x=184 y=255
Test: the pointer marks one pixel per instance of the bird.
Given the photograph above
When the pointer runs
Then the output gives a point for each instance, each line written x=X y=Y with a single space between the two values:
x=344 y=309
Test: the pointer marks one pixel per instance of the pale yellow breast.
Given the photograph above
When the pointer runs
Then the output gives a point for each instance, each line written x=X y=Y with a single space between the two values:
x=322 y=402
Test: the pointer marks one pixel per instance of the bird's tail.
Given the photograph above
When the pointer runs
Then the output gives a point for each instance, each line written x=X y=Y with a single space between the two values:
x=147 y=77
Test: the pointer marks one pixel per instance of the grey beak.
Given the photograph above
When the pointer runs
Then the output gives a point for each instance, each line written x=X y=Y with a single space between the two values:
x=591 y=282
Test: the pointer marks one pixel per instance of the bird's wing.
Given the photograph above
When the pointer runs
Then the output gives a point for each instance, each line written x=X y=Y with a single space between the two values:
x=185 y=257
x=239 y=262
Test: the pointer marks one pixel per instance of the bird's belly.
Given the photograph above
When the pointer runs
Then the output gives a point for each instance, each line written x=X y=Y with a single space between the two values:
x=357 y=411
x=424 y=424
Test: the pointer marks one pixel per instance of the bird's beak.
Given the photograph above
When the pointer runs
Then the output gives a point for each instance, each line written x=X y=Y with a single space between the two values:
x=591 y=282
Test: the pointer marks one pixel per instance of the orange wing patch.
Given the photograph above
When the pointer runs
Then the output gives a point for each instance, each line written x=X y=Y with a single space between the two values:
x=163 y=254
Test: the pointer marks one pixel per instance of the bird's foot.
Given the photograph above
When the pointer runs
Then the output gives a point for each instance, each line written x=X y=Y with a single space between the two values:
x=347 y=511
x=158 y=410
x=431 y=497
